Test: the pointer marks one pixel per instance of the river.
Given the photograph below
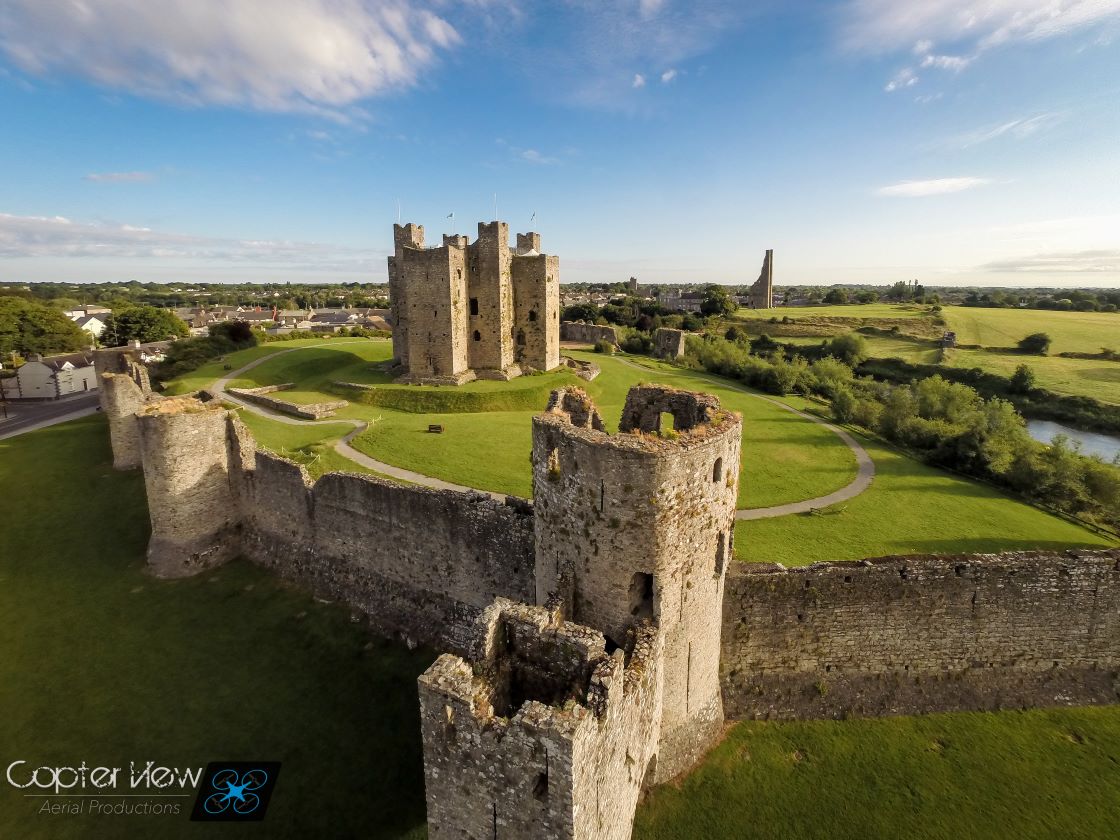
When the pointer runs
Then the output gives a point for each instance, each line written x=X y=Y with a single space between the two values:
x=1107 y=446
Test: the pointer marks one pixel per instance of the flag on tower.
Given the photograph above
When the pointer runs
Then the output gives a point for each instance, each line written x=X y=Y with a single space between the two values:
x=533 y=216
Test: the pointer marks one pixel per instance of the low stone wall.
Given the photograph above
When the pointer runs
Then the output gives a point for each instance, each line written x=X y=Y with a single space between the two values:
x=906 y=635
x=310 y=411
x=421 y=563
x=587 y=333
x=584 y=370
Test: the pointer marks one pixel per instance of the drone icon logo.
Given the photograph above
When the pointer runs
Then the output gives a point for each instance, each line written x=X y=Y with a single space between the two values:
x=236 y=791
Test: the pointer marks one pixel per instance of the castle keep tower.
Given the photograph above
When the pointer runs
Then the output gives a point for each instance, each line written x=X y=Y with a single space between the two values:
x=464 y=311
x=185 y=448
x=639 y=525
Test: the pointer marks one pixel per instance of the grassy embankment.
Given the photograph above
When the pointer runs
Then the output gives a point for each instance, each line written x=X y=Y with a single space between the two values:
x=102 y=663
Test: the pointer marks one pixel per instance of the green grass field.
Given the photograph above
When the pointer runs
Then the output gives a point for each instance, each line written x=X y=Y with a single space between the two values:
x=883 y=347
x=1072 y=332
x=310 y=445
x=856 y=310
x=1097 y=378
x=910 y=508
x=1035 y=775
x=102 y=663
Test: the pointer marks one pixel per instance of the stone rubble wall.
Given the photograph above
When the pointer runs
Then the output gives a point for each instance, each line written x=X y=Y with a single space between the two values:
x=669 y=344
x=587 y=333
x=309 y=411
x=907 y=635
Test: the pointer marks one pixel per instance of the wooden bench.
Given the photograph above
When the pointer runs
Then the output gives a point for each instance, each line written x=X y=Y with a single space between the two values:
x=435 y=428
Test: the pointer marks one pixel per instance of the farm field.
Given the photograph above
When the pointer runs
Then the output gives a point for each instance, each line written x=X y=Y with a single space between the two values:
x=882 y=347
x=339 y=707
x=1072 y=332
x=855 y=310
x=1097 y=378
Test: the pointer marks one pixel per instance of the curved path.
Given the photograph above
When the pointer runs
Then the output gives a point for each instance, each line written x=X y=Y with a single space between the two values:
x=865 y=467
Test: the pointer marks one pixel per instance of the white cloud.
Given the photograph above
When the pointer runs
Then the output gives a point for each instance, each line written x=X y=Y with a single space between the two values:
x=955 y=63
x=1020 y=129
x=119 y=177
x=935 y=186
x=533 y=156
x=925 y=99
x=302 y=55
x=59 y=237
x=888 y=25
x=902 y=79
x=668 y=76
x=639 y=81
x=1064 y=262
x=649 y=8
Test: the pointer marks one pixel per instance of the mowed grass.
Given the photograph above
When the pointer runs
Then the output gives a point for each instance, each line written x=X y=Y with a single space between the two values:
x=785 y=458
x=910 y=508
x=1097 y=378
x=882 y=347
x=310 y=444
x=1072 y=332
x=105 y=664
x=1034 y=775
x=855 y=310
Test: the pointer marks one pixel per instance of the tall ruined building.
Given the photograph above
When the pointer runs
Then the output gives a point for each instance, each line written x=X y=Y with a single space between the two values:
x=762 y=290
x=473 y=311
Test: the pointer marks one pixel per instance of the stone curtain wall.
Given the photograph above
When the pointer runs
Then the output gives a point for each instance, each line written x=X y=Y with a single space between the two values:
x=905 y=635
x=586 y=333
x=307 y=411
x=669 y=344
x=421 y=563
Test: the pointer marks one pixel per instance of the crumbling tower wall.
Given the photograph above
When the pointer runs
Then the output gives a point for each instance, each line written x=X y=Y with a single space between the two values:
x=639 y=525
x=762 y=290
x=543 y=733
x=437 y=327
x=536 y=295
x=125 y=387
x=490 y=309
x=185 y=450
x=404 y=236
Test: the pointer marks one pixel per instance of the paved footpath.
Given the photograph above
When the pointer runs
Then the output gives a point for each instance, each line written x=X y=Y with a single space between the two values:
x=865 y=471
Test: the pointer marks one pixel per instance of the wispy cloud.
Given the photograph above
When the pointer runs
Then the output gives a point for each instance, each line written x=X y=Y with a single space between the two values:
x=639 y=81
x=312 y=55
x=668 y=76
x=1063 y=262
x=935 y=186
x=119 y=177
x=533 y=156
x=902 y=79
x=58 y=236
x=1019 y=129
x=955 y=63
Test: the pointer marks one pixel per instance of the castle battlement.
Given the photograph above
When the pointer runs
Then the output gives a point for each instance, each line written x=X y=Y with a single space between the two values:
x=464 y=311
x=543 y=733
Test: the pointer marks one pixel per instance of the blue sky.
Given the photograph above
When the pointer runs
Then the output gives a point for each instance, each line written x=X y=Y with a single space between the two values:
x=954 y=141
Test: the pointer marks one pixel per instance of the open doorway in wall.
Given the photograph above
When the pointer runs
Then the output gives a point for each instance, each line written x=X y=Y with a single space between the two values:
x=641 y=596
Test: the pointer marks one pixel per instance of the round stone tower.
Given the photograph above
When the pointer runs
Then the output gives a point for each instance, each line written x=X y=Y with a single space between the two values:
x=638 y=525
x=185 y=451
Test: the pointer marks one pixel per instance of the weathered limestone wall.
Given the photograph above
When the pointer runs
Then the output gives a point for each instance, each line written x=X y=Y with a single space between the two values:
x=421 y=563
x=542 y=733
x=587 y=333
x=762 y=290
x=490 y=286
x=404 y=236
x=639 y=525
x=904 y=635
x=669 y=344
x=120 y=399
x=307 y=411
x=536 y=295
x=437 y=326
x=186 y=458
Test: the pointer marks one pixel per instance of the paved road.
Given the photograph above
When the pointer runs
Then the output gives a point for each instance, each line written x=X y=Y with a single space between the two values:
x=29 y=416
x=865 y=467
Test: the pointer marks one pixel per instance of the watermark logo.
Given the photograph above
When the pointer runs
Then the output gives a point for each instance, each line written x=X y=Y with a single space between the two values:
x=235 y=791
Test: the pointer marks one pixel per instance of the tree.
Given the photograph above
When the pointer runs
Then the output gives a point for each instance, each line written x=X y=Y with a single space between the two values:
x=1037 y=344
x=1022 y=381
x=27 y=326
x=717 y=302
x=867 y=297
x=851 y=349
x=836 y=296
x=580 y=312
x=143 y=324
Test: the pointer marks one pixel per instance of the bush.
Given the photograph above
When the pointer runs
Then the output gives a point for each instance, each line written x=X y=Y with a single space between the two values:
x=604 y=346
x=850 y=349
x=638 y=344
x=1022 y=381
x=1037 y=344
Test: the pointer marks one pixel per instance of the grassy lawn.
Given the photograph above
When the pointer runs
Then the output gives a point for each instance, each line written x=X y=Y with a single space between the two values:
x=1072 y=332
x=882 y=347
x=1095 y=378
x=310 y=445
x=104 y=664
x=910 y=508
x=855 y=310
x=1028 y=775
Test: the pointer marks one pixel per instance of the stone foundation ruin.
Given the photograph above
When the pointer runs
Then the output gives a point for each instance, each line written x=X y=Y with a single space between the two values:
x=598 y=636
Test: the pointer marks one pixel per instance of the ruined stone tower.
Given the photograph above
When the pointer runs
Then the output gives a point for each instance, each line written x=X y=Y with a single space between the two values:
x=762 y=291
x=464 y=311
x=185 y=449
x=639 y=525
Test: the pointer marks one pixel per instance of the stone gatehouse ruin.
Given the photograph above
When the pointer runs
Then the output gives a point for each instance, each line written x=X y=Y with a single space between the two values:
x=464 y=311
x=598 y=636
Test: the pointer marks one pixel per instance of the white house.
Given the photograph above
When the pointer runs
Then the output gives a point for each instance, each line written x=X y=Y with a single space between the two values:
x=93 y=324
x=52 y=377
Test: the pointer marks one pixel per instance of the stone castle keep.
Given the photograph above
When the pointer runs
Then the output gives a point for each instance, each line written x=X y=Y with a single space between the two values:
x=599 y=636
x=464 y=311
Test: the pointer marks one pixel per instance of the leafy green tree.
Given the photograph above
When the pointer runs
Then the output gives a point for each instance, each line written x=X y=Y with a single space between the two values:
x=1037 y=344
x=27 y=326
x=717 y=301
x=143 y=324
x=1022 y=381
x=836 y=296
x=851 y=348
